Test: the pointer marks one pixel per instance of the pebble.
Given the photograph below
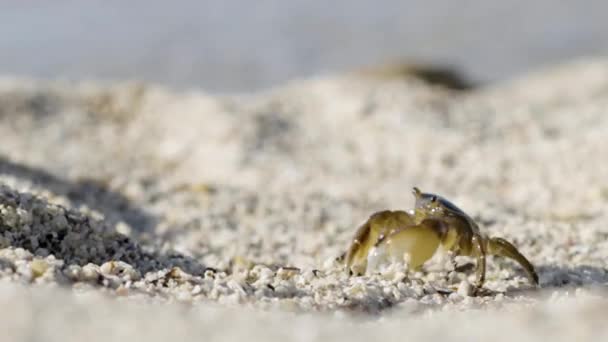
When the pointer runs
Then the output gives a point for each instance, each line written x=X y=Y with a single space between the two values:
x=465 y=289
x=39 y=267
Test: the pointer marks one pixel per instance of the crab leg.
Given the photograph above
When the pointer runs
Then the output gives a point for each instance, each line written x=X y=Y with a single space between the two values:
x=359 y=247
x=502 y=247
x=479 y=252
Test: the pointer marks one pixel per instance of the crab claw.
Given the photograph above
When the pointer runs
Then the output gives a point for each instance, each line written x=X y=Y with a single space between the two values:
x=378 y=226
x=414 y=244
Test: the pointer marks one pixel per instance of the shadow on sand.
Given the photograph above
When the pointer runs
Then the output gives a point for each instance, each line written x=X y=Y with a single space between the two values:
x=94 y=194
x=113 y=205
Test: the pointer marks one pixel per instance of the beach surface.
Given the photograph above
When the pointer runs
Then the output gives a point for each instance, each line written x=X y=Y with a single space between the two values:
x=135 y=211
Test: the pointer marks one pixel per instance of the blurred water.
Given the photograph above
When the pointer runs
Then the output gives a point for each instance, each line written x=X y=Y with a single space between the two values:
x=239 y=45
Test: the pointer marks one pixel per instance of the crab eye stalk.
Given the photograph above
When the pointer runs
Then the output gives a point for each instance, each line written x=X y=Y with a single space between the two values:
x=417 y=193
x=434 y=199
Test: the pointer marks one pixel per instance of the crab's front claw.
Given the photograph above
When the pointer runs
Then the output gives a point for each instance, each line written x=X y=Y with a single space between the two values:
x=377 y=227
x=413 y=244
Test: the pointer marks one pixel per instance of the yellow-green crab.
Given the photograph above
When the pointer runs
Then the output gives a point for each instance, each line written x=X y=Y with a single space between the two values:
x=416 y=236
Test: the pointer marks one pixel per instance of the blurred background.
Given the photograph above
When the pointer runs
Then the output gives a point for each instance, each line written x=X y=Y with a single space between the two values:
x=243 y=45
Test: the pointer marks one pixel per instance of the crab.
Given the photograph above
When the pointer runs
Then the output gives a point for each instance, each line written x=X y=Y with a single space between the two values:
x=416 y=236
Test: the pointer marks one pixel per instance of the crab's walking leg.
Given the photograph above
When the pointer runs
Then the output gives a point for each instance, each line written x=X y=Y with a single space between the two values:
x=479 y=251
x=416 y=243
x=502 y=247
x=359 y=247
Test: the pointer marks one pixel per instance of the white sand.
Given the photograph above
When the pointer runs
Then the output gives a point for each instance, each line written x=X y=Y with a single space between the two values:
x=137 y=212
